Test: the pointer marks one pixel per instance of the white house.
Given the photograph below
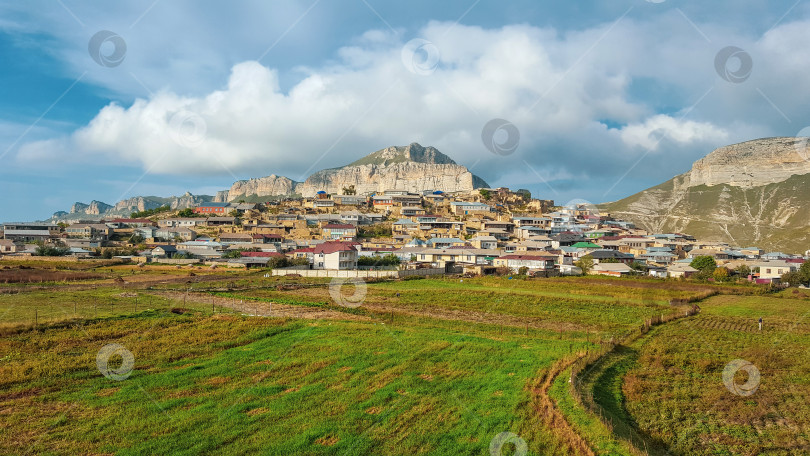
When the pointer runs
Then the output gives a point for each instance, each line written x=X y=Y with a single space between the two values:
x=334 y=255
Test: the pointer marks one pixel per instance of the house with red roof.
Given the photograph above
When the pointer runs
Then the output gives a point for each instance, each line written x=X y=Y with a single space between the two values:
x=334 y=255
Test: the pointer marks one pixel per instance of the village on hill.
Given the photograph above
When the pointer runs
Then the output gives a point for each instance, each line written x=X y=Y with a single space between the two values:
x=397 y=233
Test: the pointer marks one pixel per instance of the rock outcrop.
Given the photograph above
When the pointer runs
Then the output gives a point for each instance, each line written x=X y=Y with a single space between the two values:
x=263 y=186
x=123 y=208
x=94 y=208
x=752 y=163
x=753 y=193
x=411 y=168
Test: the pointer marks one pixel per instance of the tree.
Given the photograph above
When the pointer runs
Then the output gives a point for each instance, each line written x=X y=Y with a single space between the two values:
x=609 y=260
x=792 y=278
x=743 y=270
x=234 y=213
x=704 y=263
x=350 y=190
x=585 y=263
x=233 y=254
x=484 y=193
x=638 y=266
x=523 y=270
x=804 y=272
x=187 y=212
x=46 y=250
x=720 y=274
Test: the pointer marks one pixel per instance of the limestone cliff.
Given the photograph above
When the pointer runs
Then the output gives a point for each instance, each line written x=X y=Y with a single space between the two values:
x=412 y=168
x=753 y=193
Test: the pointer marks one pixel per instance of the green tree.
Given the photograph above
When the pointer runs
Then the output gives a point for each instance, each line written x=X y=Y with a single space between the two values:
x=187 y=212
x=704 y=263
x=523 y=270
x=585 y=263
x=743 y=270
x=804 y=272
x=638 y=266
x=485 y=193
x=793 y=278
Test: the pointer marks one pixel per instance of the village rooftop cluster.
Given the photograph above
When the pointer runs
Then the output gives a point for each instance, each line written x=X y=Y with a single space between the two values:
x=486 y=231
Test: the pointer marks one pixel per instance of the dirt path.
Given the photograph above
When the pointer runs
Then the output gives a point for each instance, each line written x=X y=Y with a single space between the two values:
x=259 y=308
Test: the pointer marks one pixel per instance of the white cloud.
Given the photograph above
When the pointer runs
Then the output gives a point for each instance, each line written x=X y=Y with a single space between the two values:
x=557 y=88
x=656 y=129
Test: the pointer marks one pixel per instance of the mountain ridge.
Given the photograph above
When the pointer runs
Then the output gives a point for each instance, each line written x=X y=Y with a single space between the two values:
x=750 y=193
x=413 y=168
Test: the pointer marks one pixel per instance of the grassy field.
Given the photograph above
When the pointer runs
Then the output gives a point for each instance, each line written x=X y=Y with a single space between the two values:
x=676 y=393
x=433 y=366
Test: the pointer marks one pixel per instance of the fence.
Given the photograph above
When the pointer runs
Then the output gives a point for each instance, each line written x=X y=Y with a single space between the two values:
x=358 y=273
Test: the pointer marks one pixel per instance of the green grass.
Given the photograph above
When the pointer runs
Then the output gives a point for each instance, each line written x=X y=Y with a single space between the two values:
x=235 y=385
x=440 y=369
x=675 y=390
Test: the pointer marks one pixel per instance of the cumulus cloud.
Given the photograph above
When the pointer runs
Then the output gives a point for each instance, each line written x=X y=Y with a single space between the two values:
x=656 y=129
x=561 y=90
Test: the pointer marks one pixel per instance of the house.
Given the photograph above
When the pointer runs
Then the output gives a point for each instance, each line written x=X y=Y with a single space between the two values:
x=164 y=251
x=464 y=207
x=772 y=271
x=9 y=246
x=334 y=255
x=129 y=223
x=677 y=270
x=350 y=200
x=220 y=221
x=170 y=234
x=30 y=232
x=236 y=238
x=484 y=242
x=716 y=254
x=600 y=256
x=382 y=201
x=442 y=243
x=533 y=261
x=339 y=232
x=612 y=269
x=213 y=208
x=89 y=231
x=181 y=222
x=403 y=225
x=566 y=239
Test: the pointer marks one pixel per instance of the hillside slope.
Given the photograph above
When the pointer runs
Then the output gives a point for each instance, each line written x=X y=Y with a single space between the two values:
x=753 y=193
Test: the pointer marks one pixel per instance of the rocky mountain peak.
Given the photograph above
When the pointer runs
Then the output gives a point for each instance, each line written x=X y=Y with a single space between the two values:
x=413 y=152
x=752 y=163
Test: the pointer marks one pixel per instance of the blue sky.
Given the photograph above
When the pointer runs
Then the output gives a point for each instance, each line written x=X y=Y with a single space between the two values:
x=609 y=98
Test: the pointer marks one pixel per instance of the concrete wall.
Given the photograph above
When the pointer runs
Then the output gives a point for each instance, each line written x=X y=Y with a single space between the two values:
x=176 y=261
x=358 y=273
